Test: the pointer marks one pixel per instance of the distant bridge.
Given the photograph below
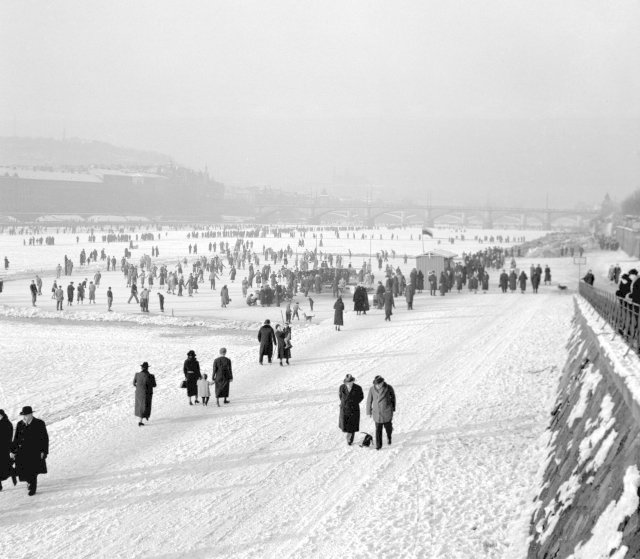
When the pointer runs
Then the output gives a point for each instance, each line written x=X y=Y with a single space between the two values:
x=404 y=214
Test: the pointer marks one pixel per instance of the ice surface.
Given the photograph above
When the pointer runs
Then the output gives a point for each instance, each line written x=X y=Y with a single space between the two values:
x=270 y=475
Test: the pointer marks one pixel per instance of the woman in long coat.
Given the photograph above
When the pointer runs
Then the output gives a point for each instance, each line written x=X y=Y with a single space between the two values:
x=522 y=280
x=358 y=299
x=281 y=338
x=389 y=304
x=191 y=370
x=224 y=296
x=337 y=314
x=6 y=436
x=350 y=395
x=144 y=383
x=222 y=376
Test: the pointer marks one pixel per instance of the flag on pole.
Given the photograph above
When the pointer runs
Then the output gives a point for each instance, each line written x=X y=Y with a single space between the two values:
x=427 y=231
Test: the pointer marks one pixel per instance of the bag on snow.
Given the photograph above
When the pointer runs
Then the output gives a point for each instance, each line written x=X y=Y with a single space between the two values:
x=367 y=440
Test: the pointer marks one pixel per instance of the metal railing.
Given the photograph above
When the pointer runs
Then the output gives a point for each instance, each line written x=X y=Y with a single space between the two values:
x=622 y=315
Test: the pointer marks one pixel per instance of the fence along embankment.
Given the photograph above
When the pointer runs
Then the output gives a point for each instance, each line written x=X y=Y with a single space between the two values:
x=587 y=506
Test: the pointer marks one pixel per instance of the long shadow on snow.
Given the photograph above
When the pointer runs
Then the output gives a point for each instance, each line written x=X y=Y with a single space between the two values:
x=49 y=508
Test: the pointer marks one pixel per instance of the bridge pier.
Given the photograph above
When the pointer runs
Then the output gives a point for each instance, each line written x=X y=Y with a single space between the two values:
x=428 y=218
x=487 y=220
x=523 y=221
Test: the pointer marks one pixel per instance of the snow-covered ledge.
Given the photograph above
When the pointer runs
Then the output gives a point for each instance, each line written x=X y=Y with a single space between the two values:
x=587 y=506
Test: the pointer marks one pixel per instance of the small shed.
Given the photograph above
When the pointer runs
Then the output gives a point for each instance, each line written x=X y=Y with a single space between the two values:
x=436 y=259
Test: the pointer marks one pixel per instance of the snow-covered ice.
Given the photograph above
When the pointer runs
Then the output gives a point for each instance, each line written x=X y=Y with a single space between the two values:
x=270 y=474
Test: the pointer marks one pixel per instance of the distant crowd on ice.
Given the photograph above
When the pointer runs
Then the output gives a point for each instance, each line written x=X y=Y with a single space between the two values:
x=280 y=276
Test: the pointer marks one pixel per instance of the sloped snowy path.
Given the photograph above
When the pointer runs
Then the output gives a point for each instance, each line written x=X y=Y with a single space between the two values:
x=270 y=475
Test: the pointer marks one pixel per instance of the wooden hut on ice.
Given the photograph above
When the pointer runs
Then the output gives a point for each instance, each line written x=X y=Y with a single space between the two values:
x=435 y=260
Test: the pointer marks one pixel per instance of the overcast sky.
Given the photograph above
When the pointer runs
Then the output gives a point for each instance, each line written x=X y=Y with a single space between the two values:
x=500 y=101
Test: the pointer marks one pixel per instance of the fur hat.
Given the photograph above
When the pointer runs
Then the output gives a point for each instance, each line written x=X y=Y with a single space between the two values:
x=378 y=379
x=191 y=353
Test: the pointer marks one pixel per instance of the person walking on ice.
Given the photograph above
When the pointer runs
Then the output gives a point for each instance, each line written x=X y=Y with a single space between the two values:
x=222 y=376
x=30 y=449
x=338 y=313
x=381 y=405
x=203 y=390
x=191 y=370
x=144 y=383
x=350 y=395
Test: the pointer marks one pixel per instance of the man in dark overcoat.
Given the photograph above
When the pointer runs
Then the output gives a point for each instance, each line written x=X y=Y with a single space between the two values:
x=222 y=376
x=30 y=449
x=350 y=395
x=144 y=383
x=267 y=339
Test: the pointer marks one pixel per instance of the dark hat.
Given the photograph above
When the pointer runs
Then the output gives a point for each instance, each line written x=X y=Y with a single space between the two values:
x=267 y=321
x=349 y=378
x=378 y=379
x=145 y=365
x=633 y=271
x=26 y=410
x=191 y=353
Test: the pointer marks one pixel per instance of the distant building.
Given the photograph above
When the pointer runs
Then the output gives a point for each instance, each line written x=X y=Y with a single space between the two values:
x=172 y=193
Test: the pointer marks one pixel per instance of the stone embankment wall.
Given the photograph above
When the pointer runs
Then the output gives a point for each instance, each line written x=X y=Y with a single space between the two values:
x=587 y=506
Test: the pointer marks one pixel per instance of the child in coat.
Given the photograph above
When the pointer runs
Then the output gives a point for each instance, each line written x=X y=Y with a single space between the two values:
x=203 y=390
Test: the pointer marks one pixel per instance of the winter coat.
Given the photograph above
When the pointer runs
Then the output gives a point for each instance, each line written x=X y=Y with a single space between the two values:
x=191 y=370
x=6 y=434
x=389 y=303
x=349 y=420
x=381 y=403
x=267 y=339
x=359 y=299
x=337 y=314
x=28 y=444
x=203 y=388
x=144 y=382
x=409 y=293
x=535 y=281
x=282 y=350
x=222 y=376
x=224 y=296
x=522 y=280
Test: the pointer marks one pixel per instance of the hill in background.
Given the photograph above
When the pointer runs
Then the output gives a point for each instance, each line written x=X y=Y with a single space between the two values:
x=74 y=153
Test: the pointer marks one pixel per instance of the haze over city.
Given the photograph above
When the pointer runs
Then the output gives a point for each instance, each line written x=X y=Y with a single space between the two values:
x=508 y=103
